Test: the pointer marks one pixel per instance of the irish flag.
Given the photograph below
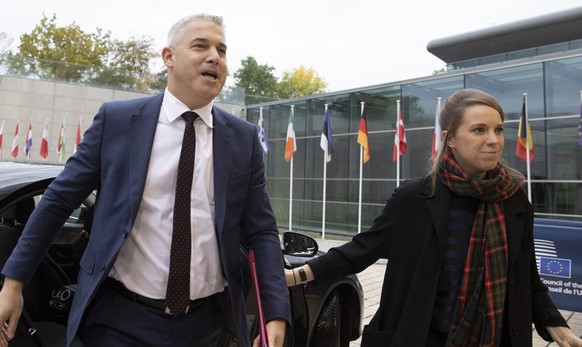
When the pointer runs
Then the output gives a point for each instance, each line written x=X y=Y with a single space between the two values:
x=291 y=143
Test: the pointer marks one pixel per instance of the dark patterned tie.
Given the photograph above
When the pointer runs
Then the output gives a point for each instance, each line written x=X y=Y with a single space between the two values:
x=178 y=291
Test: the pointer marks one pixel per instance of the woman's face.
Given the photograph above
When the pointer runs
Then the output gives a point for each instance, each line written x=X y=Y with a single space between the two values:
x=478 y=142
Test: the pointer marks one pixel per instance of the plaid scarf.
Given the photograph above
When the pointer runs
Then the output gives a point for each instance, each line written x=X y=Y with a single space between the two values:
x=478 y=314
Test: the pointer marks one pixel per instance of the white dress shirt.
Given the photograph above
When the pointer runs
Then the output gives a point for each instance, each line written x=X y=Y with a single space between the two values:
x=143 y=261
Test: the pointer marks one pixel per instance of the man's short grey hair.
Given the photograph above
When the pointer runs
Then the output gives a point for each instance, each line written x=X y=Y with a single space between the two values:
x=177 y=30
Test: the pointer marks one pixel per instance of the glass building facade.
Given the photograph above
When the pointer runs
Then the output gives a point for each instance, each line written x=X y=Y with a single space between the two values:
x=553 y=88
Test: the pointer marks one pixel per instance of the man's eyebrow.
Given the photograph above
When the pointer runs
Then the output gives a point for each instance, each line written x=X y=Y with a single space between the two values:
x=205 y=40
x=199 y=39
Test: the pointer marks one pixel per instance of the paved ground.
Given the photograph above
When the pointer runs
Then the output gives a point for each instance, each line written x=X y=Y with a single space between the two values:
x=372 y=278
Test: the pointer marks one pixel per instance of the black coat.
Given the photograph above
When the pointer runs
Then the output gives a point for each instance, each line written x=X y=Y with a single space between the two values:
x=410 y=233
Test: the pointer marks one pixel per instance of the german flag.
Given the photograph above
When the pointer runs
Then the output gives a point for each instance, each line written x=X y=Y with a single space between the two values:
x=363 y=137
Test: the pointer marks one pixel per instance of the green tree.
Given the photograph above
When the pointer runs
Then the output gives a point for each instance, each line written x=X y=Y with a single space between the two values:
x=258 y=81
x=128 y=64
x=69 y=54
x=62 y=53
x=158 y=81
x=300 y=82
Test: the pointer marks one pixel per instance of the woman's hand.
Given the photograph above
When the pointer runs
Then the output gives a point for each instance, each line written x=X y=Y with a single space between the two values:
x=299 y=275
x=564 y=337
x=290 y=278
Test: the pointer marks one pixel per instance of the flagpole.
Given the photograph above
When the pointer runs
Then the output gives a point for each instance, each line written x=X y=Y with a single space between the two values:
x=362 y=104
x=527 y=149
x=291 y=178
x=436 y=145
x=2 y=134
x=397 y=137
x=324 y=184
x=62 y=131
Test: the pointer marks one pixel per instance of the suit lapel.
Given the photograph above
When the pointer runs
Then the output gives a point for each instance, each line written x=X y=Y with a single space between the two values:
x=222 y=151
x=141 y=139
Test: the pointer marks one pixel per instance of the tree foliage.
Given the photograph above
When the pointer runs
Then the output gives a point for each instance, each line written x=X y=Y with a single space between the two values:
x=128 y=64
x=258 y=81
x=67 y=53
x=45 y=50
x=261 y=85
x=300 y=82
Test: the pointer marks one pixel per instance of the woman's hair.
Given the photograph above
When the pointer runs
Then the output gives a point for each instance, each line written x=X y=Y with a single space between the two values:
x=177 y=30
x=450 y=118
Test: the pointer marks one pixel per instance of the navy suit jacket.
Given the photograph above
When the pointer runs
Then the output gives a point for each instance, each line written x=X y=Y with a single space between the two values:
x=113 y=158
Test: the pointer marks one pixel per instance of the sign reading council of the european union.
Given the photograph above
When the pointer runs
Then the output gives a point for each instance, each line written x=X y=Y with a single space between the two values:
x=559 y=261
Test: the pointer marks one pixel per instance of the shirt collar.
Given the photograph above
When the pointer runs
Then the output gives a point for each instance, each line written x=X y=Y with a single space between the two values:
x=173 y=109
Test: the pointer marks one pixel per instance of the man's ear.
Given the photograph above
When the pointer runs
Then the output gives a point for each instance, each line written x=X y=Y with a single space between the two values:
x=168 y=56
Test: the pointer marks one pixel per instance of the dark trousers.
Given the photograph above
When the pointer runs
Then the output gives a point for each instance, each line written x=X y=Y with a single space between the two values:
x=115 y=320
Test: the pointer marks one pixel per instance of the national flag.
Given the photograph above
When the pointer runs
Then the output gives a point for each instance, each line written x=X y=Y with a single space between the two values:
x=28 y=143
x=436 y=137
x=262 y=134
x=1 y=135
x=556 y=267
x=44 y=142
x=399 y=139
x=77 y=136
x=326 y=141
x=61 y=142
x=291 y=143
x=579 y=130
x=523 y=135
x=14 y=151
x=363 y=137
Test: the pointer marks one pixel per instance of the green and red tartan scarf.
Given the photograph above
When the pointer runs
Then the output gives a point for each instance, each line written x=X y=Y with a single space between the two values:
x=478 y=314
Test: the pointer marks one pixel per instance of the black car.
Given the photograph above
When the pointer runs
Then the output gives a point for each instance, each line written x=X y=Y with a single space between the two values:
x=327 y=314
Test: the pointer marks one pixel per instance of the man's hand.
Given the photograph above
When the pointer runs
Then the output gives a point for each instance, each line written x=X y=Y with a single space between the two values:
x=564 y=337
x=276 y=333
x=11 y=303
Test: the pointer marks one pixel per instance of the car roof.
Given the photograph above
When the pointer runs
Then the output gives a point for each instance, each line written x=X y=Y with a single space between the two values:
x=15 y=175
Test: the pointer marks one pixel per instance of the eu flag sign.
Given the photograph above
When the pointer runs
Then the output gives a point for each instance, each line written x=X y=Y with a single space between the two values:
x=556 y=267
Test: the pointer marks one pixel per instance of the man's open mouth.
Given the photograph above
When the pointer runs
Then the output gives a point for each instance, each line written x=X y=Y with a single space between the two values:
x=210 y=75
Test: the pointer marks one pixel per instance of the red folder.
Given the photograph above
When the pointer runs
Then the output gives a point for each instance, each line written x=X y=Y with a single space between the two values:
x=263 y=338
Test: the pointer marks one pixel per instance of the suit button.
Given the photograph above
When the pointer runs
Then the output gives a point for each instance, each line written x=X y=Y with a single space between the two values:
x=515 y=331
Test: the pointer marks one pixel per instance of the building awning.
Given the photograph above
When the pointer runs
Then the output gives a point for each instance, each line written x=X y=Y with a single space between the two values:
x=533 y=32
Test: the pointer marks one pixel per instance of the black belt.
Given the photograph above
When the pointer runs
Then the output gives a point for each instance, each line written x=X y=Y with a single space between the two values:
x=157 y=304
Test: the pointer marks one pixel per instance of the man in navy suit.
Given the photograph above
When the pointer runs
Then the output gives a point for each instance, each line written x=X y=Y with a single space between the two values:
x=130 y=154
